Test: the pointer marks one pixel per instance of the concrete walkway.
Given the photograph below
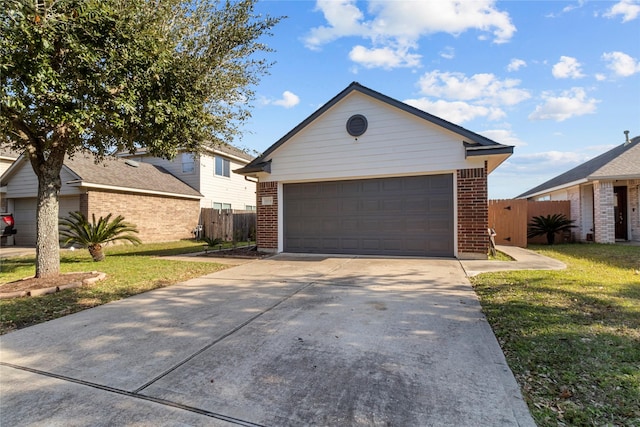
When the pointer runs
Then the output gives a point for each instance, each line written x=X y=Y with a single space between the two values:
x=524 y=260
x=283 y=341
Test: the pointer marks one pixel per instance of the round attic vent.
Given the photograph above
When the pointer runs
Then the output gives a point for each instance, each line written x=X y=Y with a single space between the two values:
x=357 y=125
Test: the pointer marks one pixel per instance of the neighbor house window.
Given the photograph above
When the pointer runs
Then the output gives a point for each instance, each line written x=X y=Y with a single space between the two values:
x=187 y=163
x=220 y=206
x=223 y=167
x=249 y=208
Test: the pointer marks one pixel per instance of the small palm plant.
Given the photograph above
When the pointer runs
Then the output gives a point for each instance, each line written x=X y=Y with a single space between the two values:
x=549 y=225
x=77 y=230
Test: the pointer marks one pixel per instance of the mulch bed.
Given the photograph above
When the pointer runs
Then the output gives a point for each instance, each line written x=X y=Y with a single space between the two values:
x=32 y=286
x=250 y=252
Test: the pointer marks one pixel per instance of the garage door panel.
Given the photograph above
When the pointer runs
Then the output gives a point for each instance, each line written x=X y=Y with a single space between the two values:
x=393 y=216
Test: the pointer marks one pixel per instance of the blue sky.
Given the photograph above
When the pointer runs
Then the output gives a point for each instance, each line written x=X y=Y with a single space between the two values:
x=559 y=80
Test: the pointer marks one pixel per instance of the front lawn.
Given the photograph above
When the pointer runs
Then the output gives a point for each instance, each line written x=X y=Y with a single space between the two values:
x=130 y=270
x=572 y=337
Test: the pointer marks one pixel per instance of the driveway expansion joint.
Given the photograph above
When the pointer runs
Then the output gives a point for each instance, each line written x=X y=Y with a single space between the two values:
x=136 y=395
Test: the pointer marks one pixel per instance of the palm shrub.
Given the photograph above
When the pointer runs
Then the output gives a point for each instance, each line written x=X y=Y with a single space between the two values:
x=549 y=225
x=76 y=229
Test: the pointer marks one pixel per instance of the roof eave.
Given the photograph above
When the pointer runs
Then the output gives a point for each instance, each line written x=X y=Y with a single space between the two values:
x=83 y=184
x=251 y=170
x=613 y=177
x=552 y=189
x=475 y=138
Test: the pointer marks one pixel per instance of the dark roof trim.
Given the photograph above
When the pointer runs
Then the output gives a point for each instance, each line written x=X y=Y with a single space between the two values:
x=355 y=86
x=259 y=167
x=486 y=150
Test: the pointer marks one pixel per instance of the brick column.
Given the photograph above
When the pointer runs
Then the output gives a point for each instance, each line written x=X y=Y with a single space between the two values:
x=267 y=223
x=634 y=213
x=603 y=214
x=473 y=213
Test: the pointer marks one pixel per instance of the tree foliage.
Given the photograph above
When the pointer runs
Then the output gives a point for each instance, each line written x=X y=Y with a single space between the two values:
x=548 y=226
x=77 y=230
x=116 y=75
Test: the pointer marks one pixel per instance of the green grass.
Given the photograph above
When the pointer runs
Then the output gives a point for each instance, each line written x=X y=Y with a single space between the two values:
x=130 y=270
x=572 y=337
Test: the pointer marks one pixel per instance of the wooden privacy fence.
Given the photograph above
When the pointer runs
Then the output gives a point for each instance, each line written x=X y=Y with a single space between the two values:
x=228 y=224
x=509 y=219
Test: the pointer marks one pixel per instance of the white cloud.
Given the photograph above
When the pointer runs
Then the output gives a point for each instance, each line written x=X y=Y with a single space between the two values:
x=344 y=20
x=555 y=158
x=621 y=63
x=571 y=103
x=503 y=136
x=288 y=100
x=457 y=111
x=629 y=9
x=394 y=27
x=384 y=57
x=516 y=64
x=568 y=67
x=448 y=52
x=483 y=88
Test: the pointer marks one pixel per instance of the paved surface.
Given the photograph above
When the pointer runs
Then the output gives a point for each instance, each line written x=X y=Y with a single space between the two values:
x=284 y=341
x=524 y=260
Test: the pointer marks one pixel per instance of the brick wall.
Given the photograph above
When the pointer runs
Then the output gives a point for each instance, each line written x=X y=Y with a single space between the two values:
x=634 y=209
x=157 y=218
x=473 y=213
x=603 y=213
x=267 y=224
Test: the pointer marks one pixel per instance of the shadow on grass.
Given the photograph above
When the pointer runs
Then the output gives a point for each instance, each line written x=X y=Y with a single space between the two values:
x=621 y=256
x=573 y=346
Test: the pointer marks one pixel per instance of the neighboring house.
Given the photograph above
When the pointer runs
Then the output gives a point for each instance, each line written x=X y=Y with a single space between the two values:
x=211 y=175
x=367 y=174
x=7 y=157
x=162 y=207
x=604 y=194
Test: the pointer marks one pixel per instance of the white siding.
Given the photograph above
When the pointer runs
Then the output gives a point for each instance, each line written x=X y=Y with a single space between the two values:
x=221 y=189
x=174 y=167
x=24 y=183
x=234 y=189
x=395 y=143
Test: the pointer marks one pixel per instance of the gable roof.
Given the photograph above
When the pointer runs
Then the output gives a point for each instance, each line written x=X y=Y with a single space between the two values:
x=227 y=150
x=475 y=144
x=8 y=153
x=621 y=162
x=119 y=175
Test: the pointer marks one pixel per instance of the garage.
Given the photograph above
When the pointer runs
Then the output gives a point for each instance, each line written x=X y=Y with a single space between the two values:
x=404 y=216
x=24 y=213
x=368 y=174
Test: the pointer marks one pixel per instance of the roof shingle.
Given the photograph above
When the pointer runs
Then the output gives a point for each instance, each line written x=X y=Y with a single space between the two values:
x=621 y=162
x=127 y=175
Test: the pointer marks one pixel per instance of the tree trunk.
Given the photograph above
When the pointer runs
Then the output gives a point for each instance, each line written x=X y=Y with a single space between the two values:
x=96 y=252
x=551 y=237
x=47 y=169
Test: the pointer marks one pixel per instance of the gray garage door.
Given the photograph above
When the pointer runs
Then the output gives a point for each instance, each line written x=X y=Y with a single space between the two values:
x=24 y=214
x=388 y=216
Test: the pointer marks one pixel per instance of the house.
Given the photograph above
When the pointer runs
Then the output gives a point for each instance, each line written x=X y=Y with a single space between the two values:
x=7 y=157
x=161 y=206
x=604 y=193
x=210 y=174
x=367 y=174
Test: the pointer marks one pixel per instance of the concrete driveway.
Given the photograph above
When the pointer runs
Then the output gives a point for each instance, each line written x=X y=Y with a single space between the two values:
x=285 y=341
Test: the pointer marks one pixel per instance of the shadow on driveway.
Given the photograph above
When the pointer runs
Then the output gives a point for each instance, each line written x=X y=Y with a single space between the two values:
x=273 y=342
